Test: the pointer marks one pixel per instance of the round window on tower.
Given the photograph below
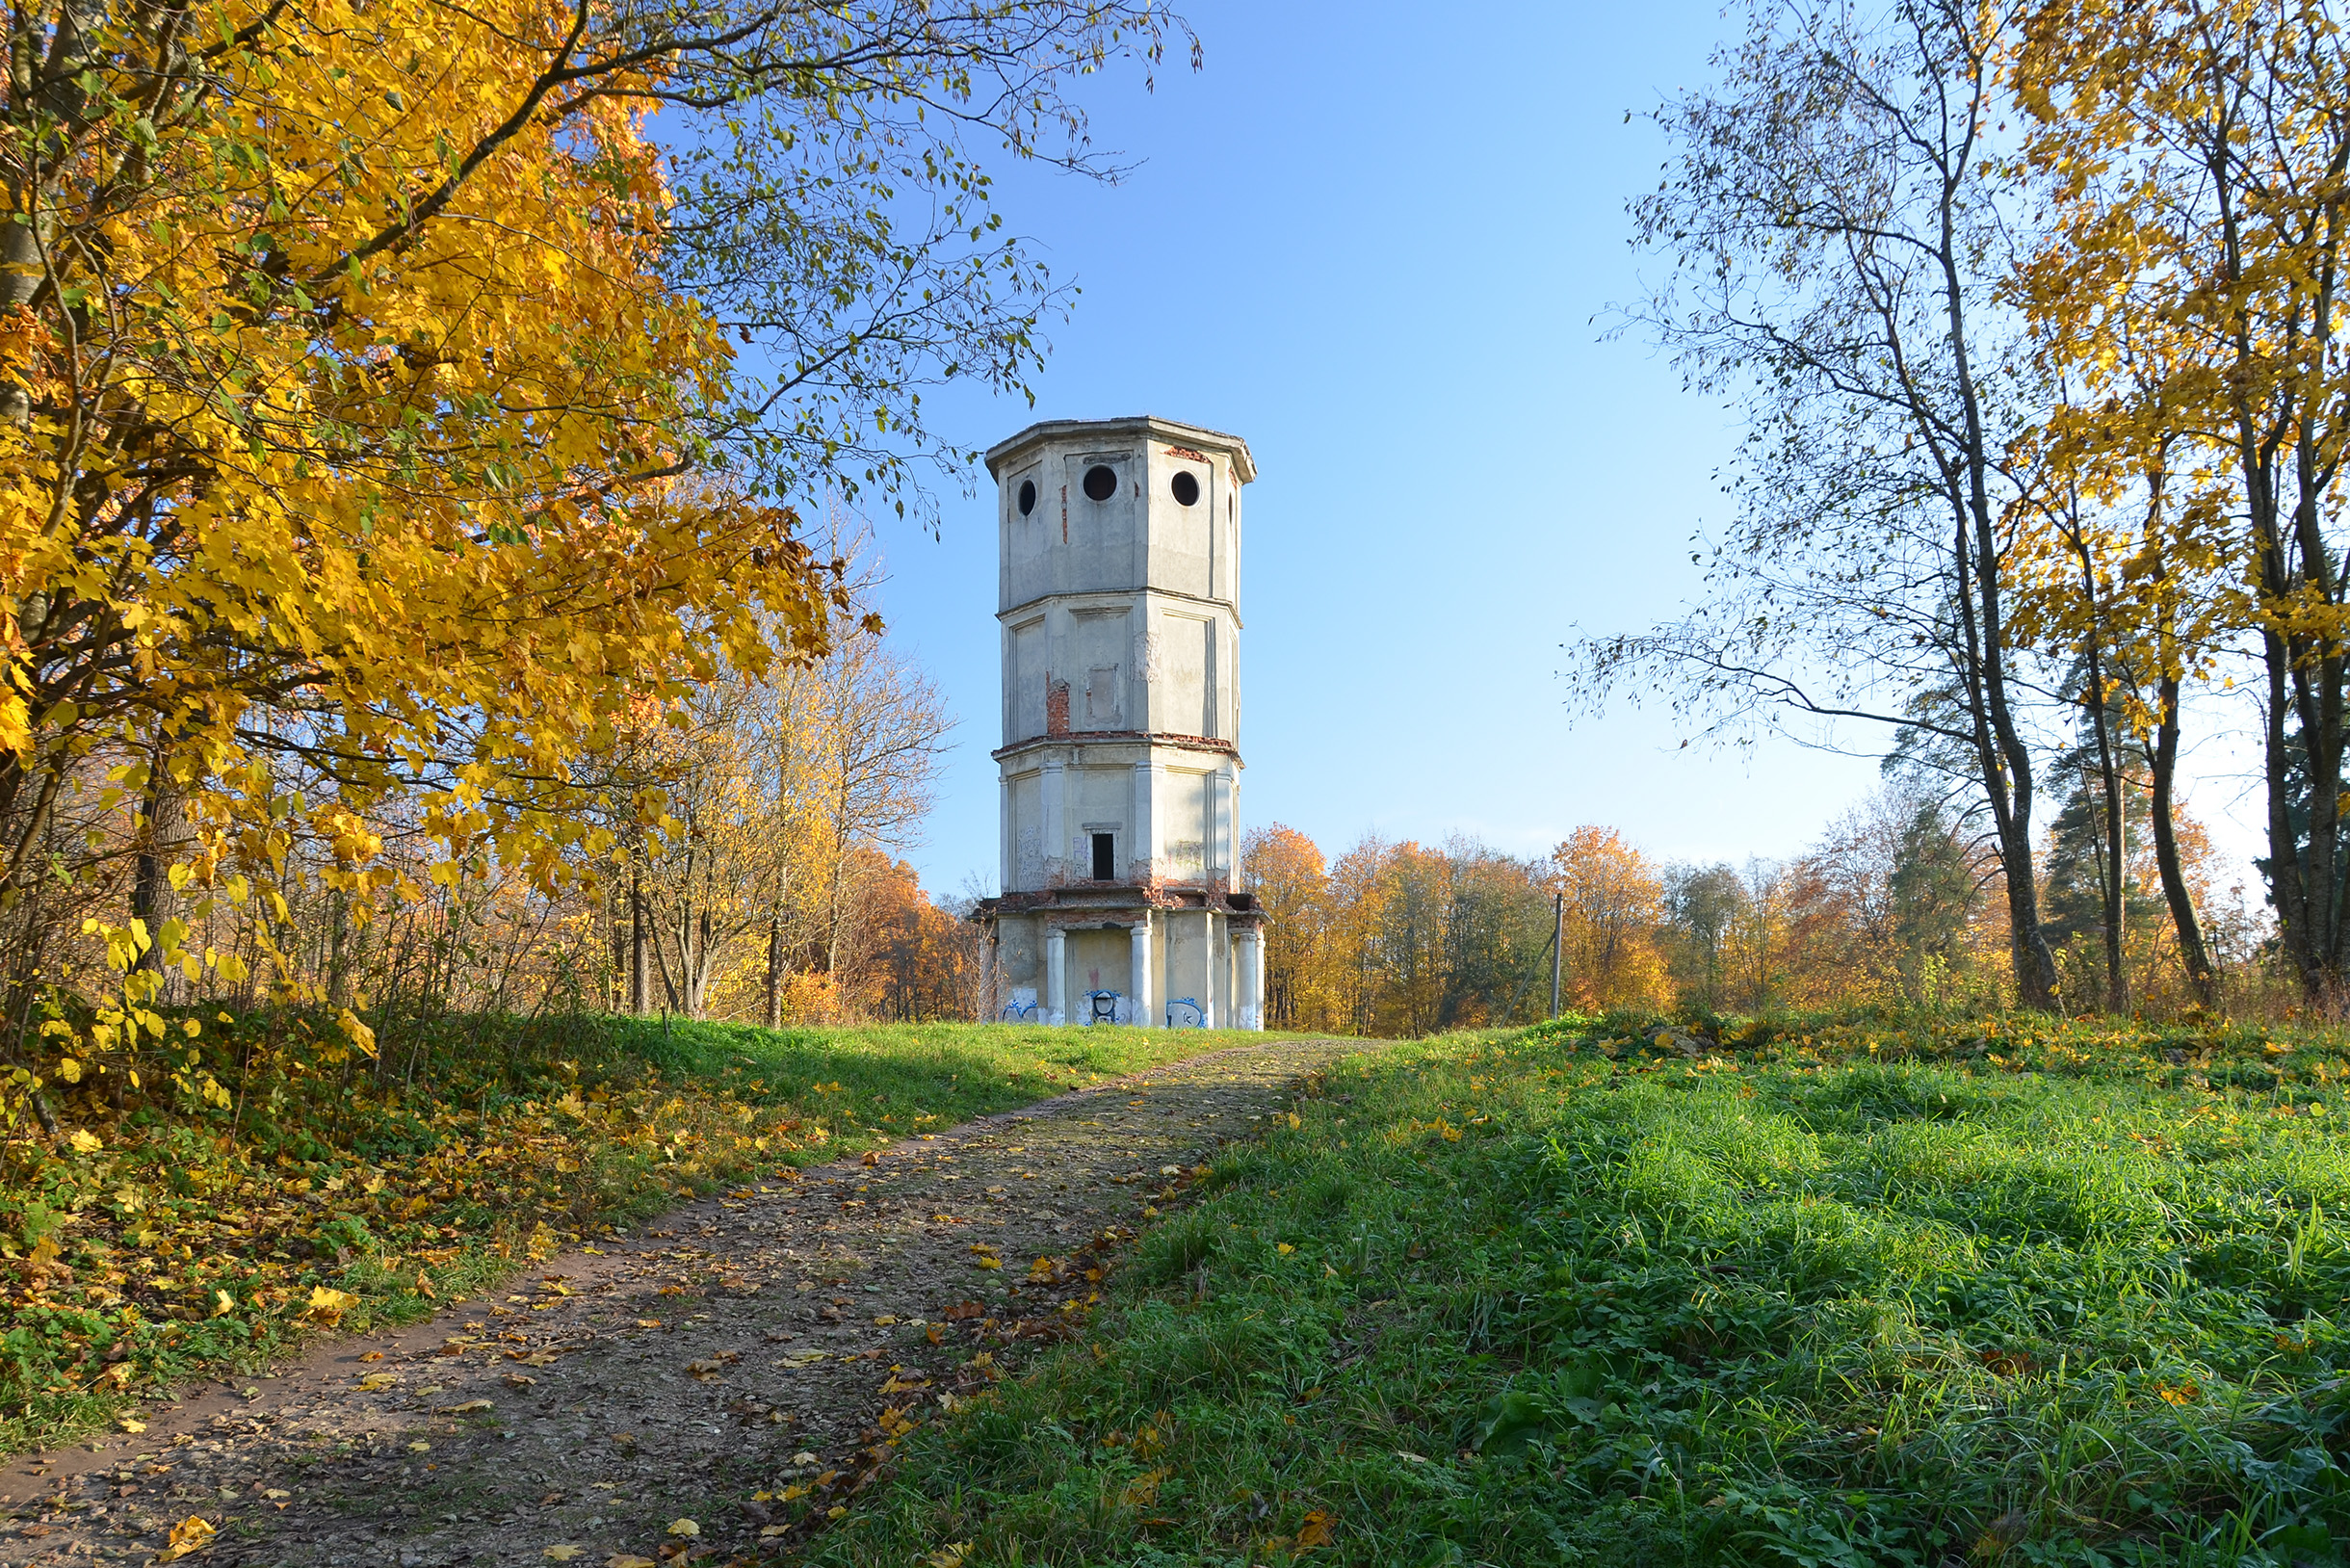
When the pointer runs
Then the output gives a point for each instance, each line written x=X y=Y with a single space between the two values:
x=1101 y=482
x=1028 y=496
x=1186 y=488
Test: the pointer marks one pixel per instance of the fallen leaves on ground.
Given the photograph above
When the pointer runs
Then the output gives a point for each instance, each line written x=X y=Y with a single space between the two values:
x=191 y=1535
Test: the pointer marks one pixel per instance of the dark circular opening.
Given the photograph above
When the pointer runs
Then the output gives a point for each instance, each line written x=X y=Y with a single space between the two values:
x=1028 y=496
x=1187 y=489
x=1101 y=482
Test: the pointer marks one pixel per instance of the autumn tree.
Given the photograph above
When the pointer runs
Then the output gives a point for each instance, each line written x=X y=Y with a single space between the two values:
x=357 y=364
x=1496 y=937
x=1287 y=875
x=923 y=960
x=1702 y=909
x=2195 y=155
x=1614 y=904
x=1837 y=222
x=883 y=723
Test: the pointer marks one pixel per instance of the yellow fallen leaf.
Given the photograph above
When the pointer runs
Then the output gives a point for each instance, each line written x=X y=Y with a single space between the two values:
x=469 y=1407
x=130 y=1425
x=377 y=1382
x=191 y=1535
x=987 y=1262
x=951 y=1556
x=684 y=1527
x=1284 y=1249
x=222 y=1303
x=560 y=1554
x=420 y=1447
x=327 y=1305
x=1314 y=1533
x=86 y=1141
x=622 y=1560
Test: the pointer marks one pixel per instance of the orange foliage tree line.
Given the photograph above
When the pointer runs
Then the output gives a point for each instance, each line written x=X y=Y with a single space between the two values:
x=1897 y=904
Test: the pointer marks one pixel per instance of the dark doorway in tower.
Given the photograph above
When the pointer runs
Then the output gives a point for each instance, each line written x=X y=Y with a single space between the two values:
x=1105 y=857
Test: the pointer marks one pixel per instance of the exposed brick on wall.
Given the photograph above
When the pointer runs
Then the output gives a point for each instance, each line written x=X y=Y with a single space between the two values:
x=1057 y=708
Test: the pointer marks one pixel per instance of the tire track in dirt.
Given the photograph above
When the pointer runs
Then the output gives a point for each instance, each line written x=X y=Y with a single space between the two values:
x=712 y=1387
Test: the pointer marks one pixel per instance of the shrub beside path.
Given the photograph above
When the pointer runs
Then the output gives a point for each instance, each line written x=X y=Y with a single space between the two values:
x=718 y=1385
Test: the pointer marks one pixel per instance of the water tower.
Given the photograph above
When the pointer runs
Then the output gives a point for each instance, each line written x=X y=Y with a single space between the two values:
x=1118 y=593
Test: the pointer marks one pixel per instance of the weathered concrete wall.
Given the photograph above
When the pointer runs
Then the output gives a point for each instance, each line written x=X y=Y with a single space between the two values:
x=1118 y=595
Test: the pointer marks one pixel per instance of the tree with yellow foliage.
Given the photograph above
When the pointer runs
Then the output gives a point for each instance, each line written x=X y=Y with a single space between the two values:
x=1614 y=905
x=358 y=359
x=1287 y=875
x=2189 y=284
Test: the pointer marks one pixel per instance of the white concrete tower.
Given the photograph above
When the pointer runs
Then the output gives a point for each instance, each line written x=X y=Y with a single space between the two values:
x=1119 y=593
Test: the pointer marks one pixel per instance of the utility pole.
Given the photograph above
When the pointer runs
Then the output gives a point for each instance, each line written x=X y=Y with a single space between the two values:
x=1558 y=953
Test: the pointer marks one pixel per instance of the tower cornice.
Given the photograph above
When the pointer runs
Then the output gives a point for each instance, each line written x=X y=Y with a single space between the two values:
x=1113 y=737
x=1174 y=431
x=1083 y=597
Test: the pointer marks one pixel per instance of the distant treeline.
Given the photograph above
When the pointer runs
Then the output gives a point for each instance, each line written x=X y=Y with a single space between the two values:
x=1898 y=904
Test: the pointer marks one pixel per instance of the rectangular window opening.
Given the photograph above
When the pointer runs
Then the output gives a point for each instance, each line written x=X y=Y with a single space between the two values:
x=1105 y=857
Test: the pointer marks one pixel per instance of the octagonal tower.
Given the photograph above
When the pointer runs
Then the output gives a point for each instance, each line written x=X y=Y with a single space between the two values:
x=1118 y=594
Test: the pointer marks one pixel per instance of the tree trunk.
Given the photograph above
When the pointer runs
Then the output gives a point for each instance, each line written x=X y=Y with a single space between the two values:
x=639 y=1002
x=2006 y=775
x=700 y=985
x=163 y=837
x=338 y=937
x=775 y=972
x=2163 y=760
x=2111 y=882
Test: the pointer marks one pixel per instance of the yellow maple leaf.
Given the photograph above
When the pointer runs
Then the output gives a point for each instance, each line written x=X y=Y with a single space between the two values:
x=327 y=1305
x=191 y=1535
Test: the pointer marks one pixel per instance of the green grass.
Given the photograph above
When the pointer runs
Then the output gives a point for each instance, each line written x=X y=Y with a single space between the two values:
x=893 y=1077
x=190 y=1238
x=1858 y=1293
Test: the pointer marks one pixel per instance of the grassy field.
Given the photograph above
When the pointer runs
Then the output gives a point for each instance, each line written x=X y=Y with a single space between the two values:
x=1845 y=1294
x=165 y=1239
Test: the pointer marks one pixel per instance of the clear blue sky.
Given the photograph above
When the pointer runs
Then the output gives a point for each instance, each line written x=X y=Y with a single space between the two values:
x=1372 y=241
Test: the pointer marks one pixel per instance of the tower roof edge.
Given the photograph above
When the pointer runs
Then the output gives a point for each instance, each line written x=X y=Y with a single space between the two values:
x=1245 y=465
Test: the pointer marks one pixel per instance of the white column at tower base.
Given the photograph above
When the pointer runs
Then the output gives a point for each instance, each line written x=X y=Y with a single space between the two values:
x=1056 y=976
x=1145 y=1013
x=1251 y=977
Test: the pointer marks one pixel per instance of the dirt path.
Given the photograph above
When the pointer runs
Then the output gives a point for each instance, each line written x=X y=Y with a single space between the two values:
x=718 y=1383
